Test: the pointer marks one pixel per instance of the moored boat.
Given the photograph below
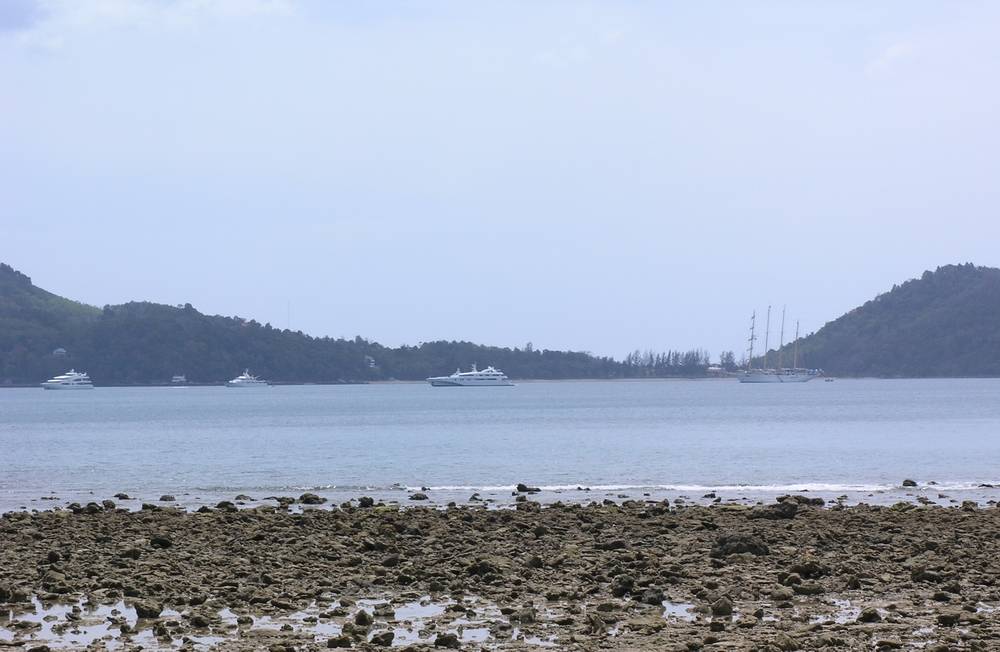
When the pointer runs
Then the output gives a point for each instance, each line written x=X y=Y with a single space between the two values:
x=247 y=379
x=72 y=379
x=488 y=377
x=779 y=374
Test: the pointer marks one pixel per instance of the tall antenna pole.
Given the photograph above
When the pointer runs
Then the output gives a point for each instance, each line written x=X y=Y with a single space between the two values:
x=767 y=334
x=753 y=321
x=796 y=363
x=781 y=341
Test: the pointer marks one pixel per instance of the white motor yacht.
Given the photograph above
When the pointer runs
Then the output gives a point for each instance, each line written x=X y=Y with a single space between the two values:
x=488 y=377
x=246 y=379
x=72 y=379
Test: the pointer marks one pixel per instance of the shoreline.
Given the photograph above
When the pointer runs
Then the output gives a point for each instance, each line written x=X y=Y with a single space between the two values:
x=516 y=381
x=986 y=494
x=222 y=383
x=636 y=575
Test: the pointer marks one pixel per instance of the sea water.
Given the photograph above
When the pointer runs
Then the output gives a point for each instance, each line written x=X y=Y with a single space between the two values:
x=577 y=441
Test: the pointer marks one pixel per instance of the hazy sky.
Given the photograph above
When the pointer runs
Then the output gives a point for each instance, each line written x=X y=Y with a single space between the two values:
x=594 y=176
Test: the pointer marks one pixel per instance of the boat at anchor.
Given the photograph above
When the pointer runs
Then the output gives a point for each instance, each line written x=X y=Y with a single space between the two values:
x=779 y=374
x=488 y=377
x=72 y=379
x=247 y=379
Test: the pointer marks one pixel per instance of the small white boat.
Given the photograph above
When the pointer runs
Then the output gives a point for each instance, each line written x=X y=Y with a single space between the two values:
x=246 y=379
x=179 y=379
x=72 y=379
x=488 y=377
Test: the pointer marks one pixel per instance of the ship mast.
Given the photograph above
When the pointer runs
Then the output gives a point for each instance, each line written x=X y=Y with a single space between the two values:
x=796 y=363
x=753 y=321
x=781 y=341
x=767 y=334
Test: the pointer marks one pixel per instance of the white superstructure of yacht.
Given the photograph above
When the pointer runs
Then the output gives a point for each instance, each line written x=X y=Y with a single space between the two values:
x=488 y=377
x=246 y=379
x=787 y=375
x=780 y=374
x=72 y=379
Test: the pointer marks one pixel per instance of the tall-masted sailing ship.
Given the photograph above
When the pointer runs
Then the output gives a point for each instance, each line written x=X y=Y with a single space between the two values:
x=780 y=373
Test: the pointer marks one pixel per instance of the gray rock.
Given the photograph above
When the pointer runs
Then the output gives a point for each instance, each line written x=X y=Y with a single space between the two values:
x=622 y=585
x=147 y=609
x=653 y=597
x=311 y=499
x=722 y=607
x=735 y=544
x=949 y=618
x=383 y=639
x=784 y=509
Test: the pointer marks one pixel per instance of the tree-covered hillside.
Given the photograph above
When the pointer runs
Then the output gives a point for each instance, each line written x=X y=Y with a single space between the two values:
x=946 y=323
x=140 y=343
x=33 y=323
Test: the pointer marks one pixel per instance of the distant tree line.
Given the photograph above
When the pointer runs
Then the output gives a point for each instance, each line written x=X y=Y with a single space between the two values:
x=141 y=343
x=945 y=323
x=695 y=362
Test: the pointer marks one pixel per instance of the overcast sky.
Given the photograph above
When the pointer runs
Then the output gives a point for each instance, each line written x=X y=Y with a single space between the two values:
x=592 y=176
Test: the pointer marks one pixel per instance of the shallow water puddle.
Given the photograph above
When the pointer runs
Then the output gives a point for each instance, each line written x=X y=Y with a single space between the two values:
x=419 y=621
x=680 y=610
x=845 y=613
x=80 y=624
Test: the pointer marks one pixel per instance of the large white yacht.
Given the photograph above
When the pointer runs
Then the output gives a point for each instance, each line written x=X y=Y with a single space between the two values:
x=488 y=377
x=788 y=375
x=72 y=379
x=246 y=379
x=780 y=374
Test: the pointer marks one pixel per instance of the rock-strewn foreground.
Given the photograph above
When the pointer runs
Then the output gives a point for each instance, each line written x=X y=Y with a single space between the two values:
x=786 y=577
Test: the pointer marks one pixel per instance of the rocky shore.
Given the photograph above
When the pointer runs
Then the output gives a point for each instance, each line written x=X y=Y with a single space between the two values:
x=636 y=575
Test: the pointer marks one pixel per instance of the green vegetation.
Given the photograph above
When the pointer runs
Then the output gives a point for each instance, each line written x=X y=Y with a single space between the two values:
x=946 y=323
x=942 y=324
x=141 y=343
x=33 y=322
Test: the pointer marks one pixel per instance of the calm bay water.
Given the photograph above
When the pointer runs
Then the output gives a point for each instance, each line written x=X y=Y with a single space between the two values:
x=664 y=438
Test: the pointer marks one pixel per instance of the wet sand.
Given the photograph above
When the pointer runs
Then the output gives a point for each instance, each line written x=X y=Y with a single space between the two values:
x=635 y=575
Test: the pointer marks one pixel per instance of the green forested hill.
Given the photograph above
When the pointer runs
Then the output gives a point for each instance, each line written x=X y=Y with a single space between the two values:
x=148 y=343
x=31 y=320
x=945 y=323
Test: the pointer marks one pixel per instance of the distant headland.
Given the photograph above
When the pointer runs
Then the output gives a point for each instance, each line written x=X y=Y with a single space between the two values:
x=944 y=323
